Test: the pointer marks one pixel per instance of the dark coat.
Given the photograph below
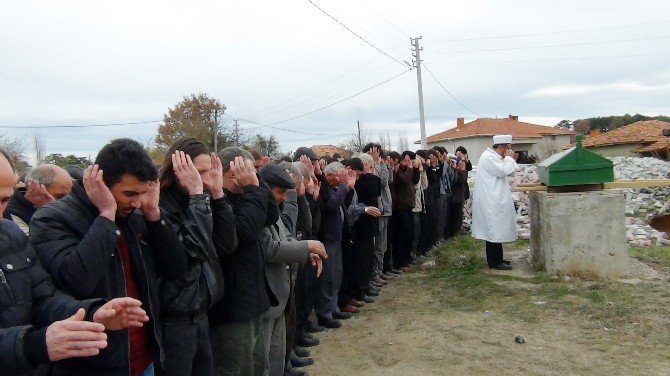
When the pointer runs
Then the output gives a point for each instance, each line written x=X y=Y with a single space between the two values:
x=246 y=295
x=205 y=227
x=403 y=191
x=368 y=189
x=28 y=301
x=332 y=200
x=19 y=207
x=78 y=248
x=459 y=186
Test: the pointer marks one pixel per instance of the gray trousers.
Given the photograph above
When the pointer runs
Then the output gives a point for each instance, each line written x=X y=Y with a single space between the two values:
x=274 y=335
x=441 y=206
x=381 y=245
x=331 y=280
x=238 y=348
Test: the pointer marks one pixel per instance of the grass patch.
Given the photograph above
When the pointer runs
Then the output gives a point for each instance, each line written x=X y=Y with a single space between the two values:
x=659 y=255
x=460 y=282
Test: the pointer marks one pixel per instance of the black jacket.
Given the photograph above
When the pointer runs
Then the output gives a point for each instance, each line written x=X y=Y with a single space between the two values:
x=459 y=186
x=78 y=248
x=247 y=294
x=204 y=228
x=19 y=207
x=368 y=188
x=29 y=302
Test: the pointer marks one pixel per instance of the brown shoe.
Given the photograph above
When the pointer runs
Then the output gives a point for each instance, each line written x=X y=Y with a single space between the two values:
x=380 y=281
x=404 y=269
x=356 y=303
x=349 y=308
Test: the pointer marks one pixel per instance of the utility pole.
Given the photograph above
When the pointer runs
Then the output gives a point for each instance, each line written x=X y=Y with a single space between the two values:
x=360 y=141
x=216 y=131
x=417 y=64
x=237 y=133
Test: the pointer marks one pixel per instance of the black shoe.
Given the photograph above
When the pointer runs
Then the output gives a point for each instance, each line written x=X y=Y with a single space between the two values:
x=312 y=327
x=373 y=293
x=368 y=299
x=301 y=351
x=375 y=284
x=296 y=372
x=307 y=341
x=501 y=266
x=329 y=323
x=342 y=315
x=301 y=362
x=507 y=262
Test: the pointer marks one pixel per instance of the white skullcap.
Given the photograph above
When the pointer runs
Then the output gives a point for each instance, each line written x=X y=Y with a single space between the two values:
x=502 y=139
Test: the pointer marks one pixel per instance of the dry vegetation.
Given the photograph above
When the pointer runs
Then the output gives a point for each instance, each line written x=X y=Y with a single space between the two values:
x=461 y=318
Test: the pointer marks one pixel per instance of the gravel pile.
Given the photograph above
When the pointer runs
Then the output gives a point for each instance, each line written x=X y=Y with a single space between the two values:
x=641 y=204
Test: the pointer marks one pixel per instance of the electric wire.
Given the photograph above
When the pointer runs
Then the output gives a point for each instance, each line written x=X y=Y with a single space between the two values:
x=450 y=94
x=354 y=33
x=585 y=30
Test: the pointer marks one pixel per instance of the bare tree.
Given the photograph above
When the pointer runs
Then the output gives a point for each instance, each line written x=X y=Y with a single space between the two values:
x=38 y=148
x=17 y=150
x=357 y=141
x=403 y=141
x=385 y=140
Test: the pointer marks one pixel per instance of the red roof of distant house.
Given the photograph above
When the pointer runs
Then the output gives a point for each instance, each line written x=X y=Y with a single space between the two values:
x=646 y=132
x=330 y=150
x=491 y=127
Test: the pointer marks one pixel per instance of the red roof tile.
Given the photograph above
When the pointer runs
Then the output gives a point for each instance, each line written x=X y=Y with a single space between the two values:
x=647 y=132
x=491 y=127
x=323 y=150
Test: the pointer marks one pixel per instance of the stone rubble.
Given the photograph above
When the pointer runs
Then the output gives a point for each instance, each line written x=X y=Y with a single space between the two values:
x=641 y=204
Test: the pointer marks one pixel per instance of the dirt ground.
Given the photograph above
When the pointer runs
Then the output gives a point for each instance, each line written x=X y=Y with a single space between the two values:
x=463 y=321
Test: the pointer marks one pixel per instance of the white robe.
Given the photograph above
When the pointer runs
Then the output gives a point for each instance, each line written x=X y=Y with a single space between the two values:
x=493 y=214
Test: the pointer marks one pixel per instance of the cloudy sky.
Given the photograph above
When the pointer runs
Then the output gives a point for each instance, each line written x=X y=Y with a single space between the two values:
x=107 y=62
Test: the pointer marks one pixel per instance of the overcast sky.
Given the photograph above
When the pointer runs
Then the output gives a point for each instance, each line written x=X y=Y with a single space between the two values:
x=101 y=62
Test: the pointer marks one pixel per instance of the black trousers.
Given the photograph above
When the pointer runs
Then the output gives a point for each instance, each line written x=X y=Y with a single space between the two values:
x=306 y=289
x=456 y=220
x=348 y=279
x=388 y=255
x=402 y=237
x=448 y=209
x=188 y=350
x=364 y=249
x=494 y=253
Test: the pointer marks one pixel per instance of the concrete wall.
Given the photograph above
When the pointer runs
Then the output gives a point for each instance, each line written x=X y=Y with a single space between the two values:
x=617 y=150
x=543 y=147
x=579 y=233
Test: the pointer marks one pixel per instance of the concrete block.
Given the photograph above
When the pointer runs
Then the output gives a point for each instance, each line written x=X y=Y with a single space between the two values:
x=579 y=232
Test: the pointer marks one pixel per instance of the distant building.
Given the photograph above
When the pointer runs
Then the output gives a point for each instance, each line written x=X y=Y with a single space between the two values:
x=529 y=139
x=330 y=150
x=640 y=139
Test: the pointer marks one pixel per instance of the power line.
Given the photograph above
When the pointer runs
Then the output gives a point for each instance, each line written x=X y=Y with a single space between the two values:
x=273 y=125
x=585 y=30
x=448 y=92
x=553 y=45
x=74 y=126
x=358 y=36
x=550 y=60
x=385 y=19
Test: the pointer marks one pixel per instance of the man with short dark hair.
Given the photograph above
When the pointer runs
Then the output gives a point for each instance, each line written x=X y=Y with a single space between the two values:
x=40 y=324
x=109 y=238
x=236 y=322
x=44 y=183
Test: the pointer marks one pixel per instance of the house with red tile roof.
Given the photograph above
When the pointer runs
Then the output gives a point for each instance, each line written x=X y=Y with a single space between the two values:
x=642 y=138
x=330 y=150
x=527 y=138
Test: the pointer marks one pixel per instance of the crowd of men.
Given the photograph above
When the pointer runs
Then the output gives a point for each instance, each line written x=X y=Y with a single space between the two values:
x=212 y=264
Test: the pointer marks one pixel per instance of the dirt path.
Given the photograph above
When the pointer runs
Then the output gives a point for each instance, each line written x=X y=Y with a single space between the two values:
x=412 y=330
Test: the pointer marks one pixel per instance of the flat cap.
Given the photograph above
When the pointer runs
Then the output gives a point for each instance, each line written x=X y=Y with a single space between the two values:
x=305 y=151
x=276 y=176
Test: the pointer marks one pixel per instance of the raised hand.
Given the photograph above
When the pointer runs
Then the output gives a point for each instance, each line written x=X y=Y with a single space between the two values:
x=149 y=202
x=121 y=313
x=37 y=194
x=188 y=176
x=307 y=162
x=75 y=338
x=342 y=176
x=243 y=172
x=99 y=193
x=317 y=188
x=351 y=179
x=215 y=183
x=374 y=153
